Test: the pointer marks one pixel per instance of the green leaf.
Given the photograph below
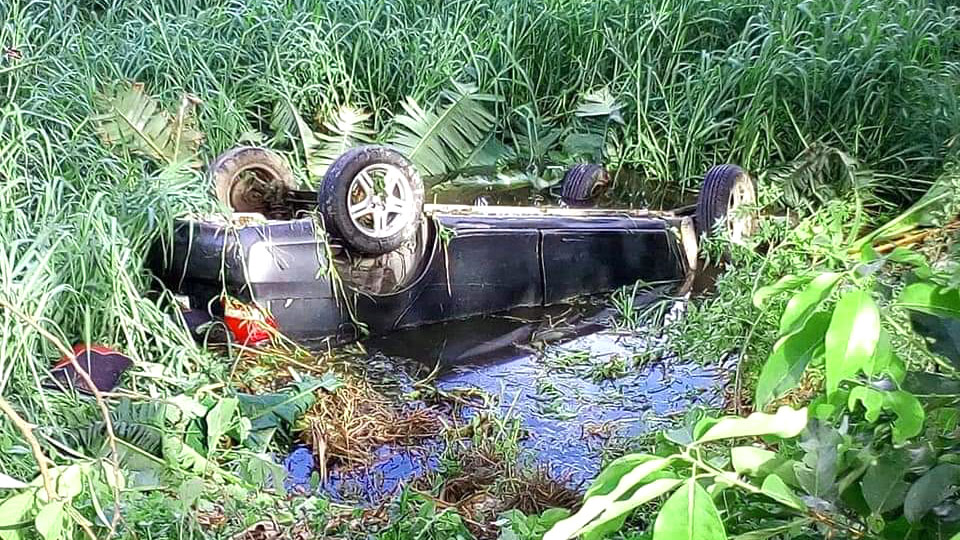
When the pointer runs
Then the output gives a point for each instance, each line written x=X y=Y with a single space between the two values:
x=817 y=473
x=219 y=421
x=49 y=520
x=883 y=486
x=689 y=514
x=596 y=505
x=608 y=479
x=269 y=412
x=348 y=128
x=786 y=283
x=750 y=460
x=909 y=413
x=189 y=492
x=930 y=490
x=851 y=338
x=775 y=488
x=620 y=509
x=904 y=405
x=258 y=469
x=807 y=301
x=134 y=120
x=177 y=454
x=790 y=356
x=931 y=298
x=439 y=140
x=883 y=359
x=17 y=510
x=786 y=423
x=871 y=399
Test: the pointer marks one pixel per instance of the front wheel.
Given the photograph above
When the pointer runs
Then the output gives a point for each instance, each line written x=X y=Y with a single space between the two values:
x=726 y=203
x=373 y=199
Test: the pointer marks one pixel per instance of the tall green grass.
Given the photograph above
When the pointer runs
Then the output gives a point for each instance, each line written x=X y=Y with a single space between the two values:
x=700 y=82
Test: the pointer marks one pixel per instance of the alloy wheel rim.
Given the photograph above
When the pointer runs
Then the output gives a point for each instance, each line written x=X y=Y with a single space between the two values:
x=380 y=200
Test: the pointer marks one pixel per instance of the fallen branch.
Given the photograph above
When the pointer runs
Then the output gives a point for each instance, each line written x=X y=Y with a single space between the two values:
x=104 y=411
x=26 y=429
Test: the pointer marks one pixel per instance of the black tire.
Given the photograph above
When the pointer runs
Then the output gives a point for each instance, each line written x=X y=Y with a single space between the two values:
x=726 y=188
x=583 y=183
x=250 y=179
x=339 y=191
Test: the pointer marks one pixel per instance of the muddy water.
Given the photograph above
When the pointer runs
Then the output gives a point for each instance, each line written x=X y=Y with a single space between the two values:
x=563 y=371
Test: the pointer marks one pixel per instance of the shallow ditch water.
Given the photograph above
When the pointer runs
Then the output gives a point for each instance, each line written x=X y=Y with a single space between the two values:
x=562 y=371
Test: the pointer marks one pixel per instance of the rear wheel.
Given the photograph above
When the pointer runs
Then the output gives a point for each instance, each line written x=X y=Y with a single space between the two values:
x=726 y=197
x=250 y=179
x=583 y=183
x=373 y=199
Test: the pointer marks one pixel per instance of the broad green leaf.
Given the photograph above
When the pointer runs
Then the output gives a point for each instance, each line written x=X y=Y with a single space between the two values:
x=807 y=301
x=607 y=480
x=786 y=283
x=871 y=399
x=786 y=423
x=689 y=514
x=930 y=490
x=269 y=412
x=904 y=405
x=136 y=122
x=641 y=496
x=67 y=481
x=596 y=505
x=883 y=358
x=791 y=354
x=775 y=488
x=909 y=413
x=440 y=140
x=931 y=298
x=750 y=460
x=219 y=421
x=17 y=510
x=817 y=473
x=261 y=470
x=180 y=455
x=883 y=486
x=851 y=338
x=49 y=520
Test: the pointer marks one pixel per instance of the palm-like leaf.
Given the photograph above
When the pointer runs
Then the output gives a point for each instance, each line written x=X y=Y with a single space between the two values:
x=443 y=140
x=595 y=113
x=134 y=120
x=347 y=129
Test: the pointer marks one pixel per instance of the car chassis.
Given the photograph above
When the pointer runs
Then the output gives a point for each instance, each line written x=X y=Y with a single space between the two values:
x=464 y=261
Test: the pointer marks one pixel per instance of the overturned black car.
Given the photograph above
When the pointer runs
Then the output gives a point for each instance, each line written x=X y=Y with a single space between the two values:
x=364 y=254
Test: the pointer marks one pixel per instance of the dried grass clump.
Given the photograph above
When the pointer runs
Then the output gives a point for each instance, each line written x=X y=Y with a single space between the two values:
x=349 y=424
